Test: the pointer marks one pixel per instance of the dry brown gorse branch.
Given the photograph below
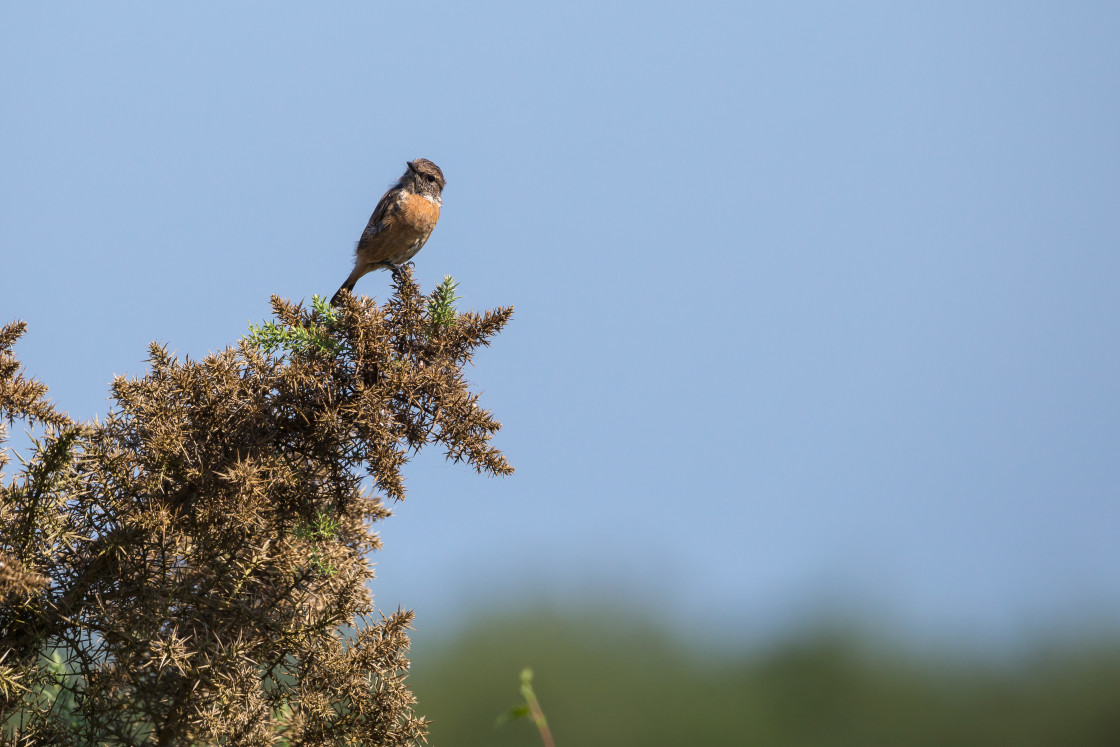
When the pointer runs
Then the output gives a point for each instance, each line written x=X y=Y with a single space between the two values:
x=193 y=569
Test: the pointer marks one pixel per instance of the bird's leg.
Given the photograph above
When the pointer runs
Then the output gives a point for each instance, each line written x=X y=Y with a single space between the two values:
x=394 y=267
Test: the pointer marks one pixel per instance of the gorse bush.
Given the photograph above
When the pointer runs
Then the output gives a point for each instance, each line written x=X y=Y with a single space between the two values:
x=193 y=569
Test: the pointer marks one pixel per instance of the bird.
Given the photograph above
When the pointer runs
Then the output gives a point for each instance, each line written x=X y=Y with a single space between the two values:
x=401 y=223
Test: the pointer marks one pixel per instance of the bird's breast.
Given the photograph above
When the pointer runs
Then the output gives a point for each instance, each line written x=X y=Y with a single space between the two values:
x=419 y=213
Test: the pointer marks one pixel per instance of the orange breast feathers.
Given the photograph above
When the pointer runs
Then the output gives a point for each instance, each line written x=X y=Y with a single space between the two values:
x=406 y=226
x=419 y=213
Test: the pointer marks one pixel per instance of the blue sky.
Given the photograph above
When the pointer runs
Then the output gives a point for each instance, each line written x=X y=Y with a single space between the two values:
x=816 y=304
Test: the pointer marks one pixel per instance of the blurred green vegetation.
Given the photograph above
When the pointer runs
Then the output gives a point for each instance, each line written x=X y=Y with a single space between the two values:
x=604 y=681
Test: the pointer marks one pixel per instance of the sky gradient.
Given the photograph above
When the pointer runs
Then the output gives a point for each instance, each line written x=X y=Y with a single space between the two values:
x=817 y=306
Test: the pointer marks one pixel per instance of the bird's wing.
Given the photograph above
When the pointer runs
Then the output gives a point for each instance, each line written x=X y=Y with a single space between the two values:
x=387 y=204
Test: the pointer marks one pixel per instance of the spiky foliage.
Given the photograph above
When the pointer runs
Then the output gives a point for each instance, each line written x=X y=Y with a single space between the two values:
x=441 y=306
x=206 y=545
x=21 y=398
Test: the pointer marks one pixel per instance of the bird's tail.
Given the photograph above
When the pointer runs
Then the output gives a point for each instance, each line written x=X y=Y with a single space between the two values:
x=347 y=286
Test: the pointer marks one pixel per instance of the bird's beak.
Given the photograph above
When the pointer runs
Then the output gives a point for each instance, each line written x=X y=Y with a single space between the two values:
x=411 y=166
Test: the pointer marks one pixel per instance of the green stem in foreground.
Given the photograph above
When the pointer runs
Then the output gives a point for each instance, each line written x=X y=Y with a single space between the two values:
x=530 y=709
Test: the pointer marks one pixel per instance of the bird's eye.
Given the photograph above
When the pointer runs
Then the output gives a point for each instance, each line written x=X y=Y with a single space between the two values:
x=429 y=177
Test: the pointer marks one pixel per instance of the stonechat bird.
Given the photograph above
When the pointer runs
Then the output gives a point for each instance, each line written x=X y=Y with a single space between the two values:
x=401 y=223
